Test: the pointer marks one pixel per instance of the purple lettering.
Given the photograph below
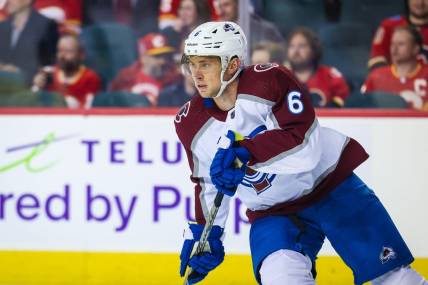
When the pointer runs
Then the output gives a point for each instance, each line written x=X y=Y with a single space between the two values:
x=3 y=199
x=177 y=153
x=188 y=203
x=90 y=199
x=32 y=203
x=64 y=200
x=90 y=145
x=140 y=151
x=125 y=216
x=238 y=218
x=157 y=202
x=114 y=151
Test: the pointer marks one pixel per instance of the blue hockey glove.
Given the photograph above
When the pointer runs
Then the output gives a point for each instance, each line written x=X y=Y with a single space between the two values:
x=212 y=256
x=229 y=178
x=224 y=173
x=234 y=152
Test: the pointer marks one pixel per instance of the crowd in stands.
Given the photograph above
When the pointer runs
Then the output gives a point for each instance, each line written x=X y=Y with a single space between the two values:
x=126 y=53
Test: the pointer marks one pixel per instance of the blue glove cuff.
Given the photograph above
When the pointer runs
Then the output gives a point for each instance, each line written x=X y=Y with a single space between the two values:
x=243 y=154
x=197 y=229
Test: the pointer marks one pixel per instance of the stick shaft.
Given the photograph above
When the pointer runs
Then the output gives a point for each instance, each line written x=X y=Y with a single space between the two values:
x=208 y=225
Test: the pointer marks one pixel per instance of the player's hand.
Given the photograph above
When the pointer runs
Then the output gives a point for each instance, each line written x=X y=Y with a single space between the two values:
x=225 y=174
x=210 y=258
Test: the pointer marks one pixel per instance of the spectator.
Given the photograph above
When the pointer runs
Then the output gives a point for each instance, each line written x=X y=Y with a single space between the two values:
x=3 y=12
x=265 y=52
x=168 y=11
x=326 y=84
x=69 y=77
x=28 y=39
x=175 y=95
x=191 y=13
x=406 y=76
x=261 y=30
x=153 y=70
x=67 y=13
x=416 y=15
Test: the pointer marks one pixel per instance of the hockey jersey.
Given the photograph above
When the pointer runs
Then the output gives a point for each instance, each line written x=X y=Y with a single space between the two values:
x=382 y=40
x=413 y=87
x=295 y=162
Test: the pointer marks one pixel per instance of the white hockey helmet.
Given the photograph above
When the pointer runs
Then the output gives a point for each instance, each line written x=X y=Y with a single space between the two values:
x=223 y=39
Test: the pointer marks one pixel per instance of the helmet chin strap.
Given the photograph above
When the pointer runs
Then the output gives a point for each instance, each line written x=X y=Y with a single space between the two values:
x=225 y=83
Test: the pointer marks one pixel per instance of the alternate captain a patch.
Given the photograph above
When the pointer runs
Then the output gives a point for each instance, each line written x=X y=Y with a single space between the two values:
x=387 y=254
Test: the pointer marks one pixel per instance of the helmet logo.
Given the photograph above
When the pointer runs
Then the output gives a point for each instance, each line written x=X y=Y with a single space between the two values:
x=197 y=33
x=228 y=27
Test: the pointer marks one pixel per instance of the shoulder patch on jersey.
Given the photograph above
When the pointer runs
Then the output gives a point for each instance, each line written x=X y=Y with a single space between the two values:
x=378 y=38
x=264 y=67
x=182 y=113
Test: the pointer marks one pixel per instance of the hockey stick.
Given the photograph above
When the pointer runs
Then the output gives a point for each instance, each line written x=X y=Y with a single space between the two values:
x=208 y=226
x=206 y=232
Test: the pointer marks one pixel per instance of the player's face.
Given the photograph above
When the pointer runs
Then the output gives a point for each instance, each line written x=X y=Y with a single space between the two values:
x=228 y=10
x=187 y=12
x=299 y=52
x=205 y=71
x=260 y=56
x=419 y=8
x=68 y=55
x=403 y=49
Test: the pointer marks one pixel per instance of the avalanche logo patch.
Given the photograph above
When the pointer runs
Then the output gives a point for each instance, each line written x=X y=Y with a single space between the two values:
x=259 y=181
x=387 y=254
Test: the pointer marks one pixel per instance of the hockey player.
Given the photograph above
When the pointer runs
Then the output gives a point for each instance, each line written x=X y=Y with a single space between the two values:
x=297 y=180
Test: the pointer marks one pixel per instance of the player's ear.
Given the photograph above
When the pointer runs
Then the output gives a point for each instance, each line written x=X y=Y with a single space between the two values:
x=234 y=65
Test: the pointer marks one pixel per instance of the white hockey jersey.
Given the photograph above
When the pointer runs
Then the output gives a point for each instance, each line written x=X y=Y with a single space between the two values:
x=295 y=162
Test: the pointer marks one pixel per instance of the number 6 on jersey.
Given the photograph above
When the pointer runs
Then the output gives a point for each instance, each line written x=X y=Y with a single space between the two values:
x=295 y=104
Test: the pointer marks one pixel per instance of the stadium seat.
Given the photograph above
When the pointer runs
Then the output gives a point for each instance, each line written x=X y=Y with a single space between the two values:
x=108 y=48
x=120 y=99
x=11 y=82
x=51 y=99
x=369 y=11
x=376 y=100
x=346 y=46
x=288 y=14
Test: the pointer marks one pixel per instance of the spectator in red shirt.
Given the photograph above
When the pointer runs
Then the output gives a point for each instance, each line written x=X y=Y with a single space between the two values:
x=191 y=13
x=153 y=70
x=416 y=15
x=69 y=77
x=169 y=11
x=406 y=76
x=326 y=84
x=67 y=13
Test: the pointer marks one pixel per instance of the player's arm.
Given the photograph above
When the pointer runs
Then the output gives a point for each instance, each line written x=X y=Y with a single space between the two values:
x=204 y=195
x=292 y=144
